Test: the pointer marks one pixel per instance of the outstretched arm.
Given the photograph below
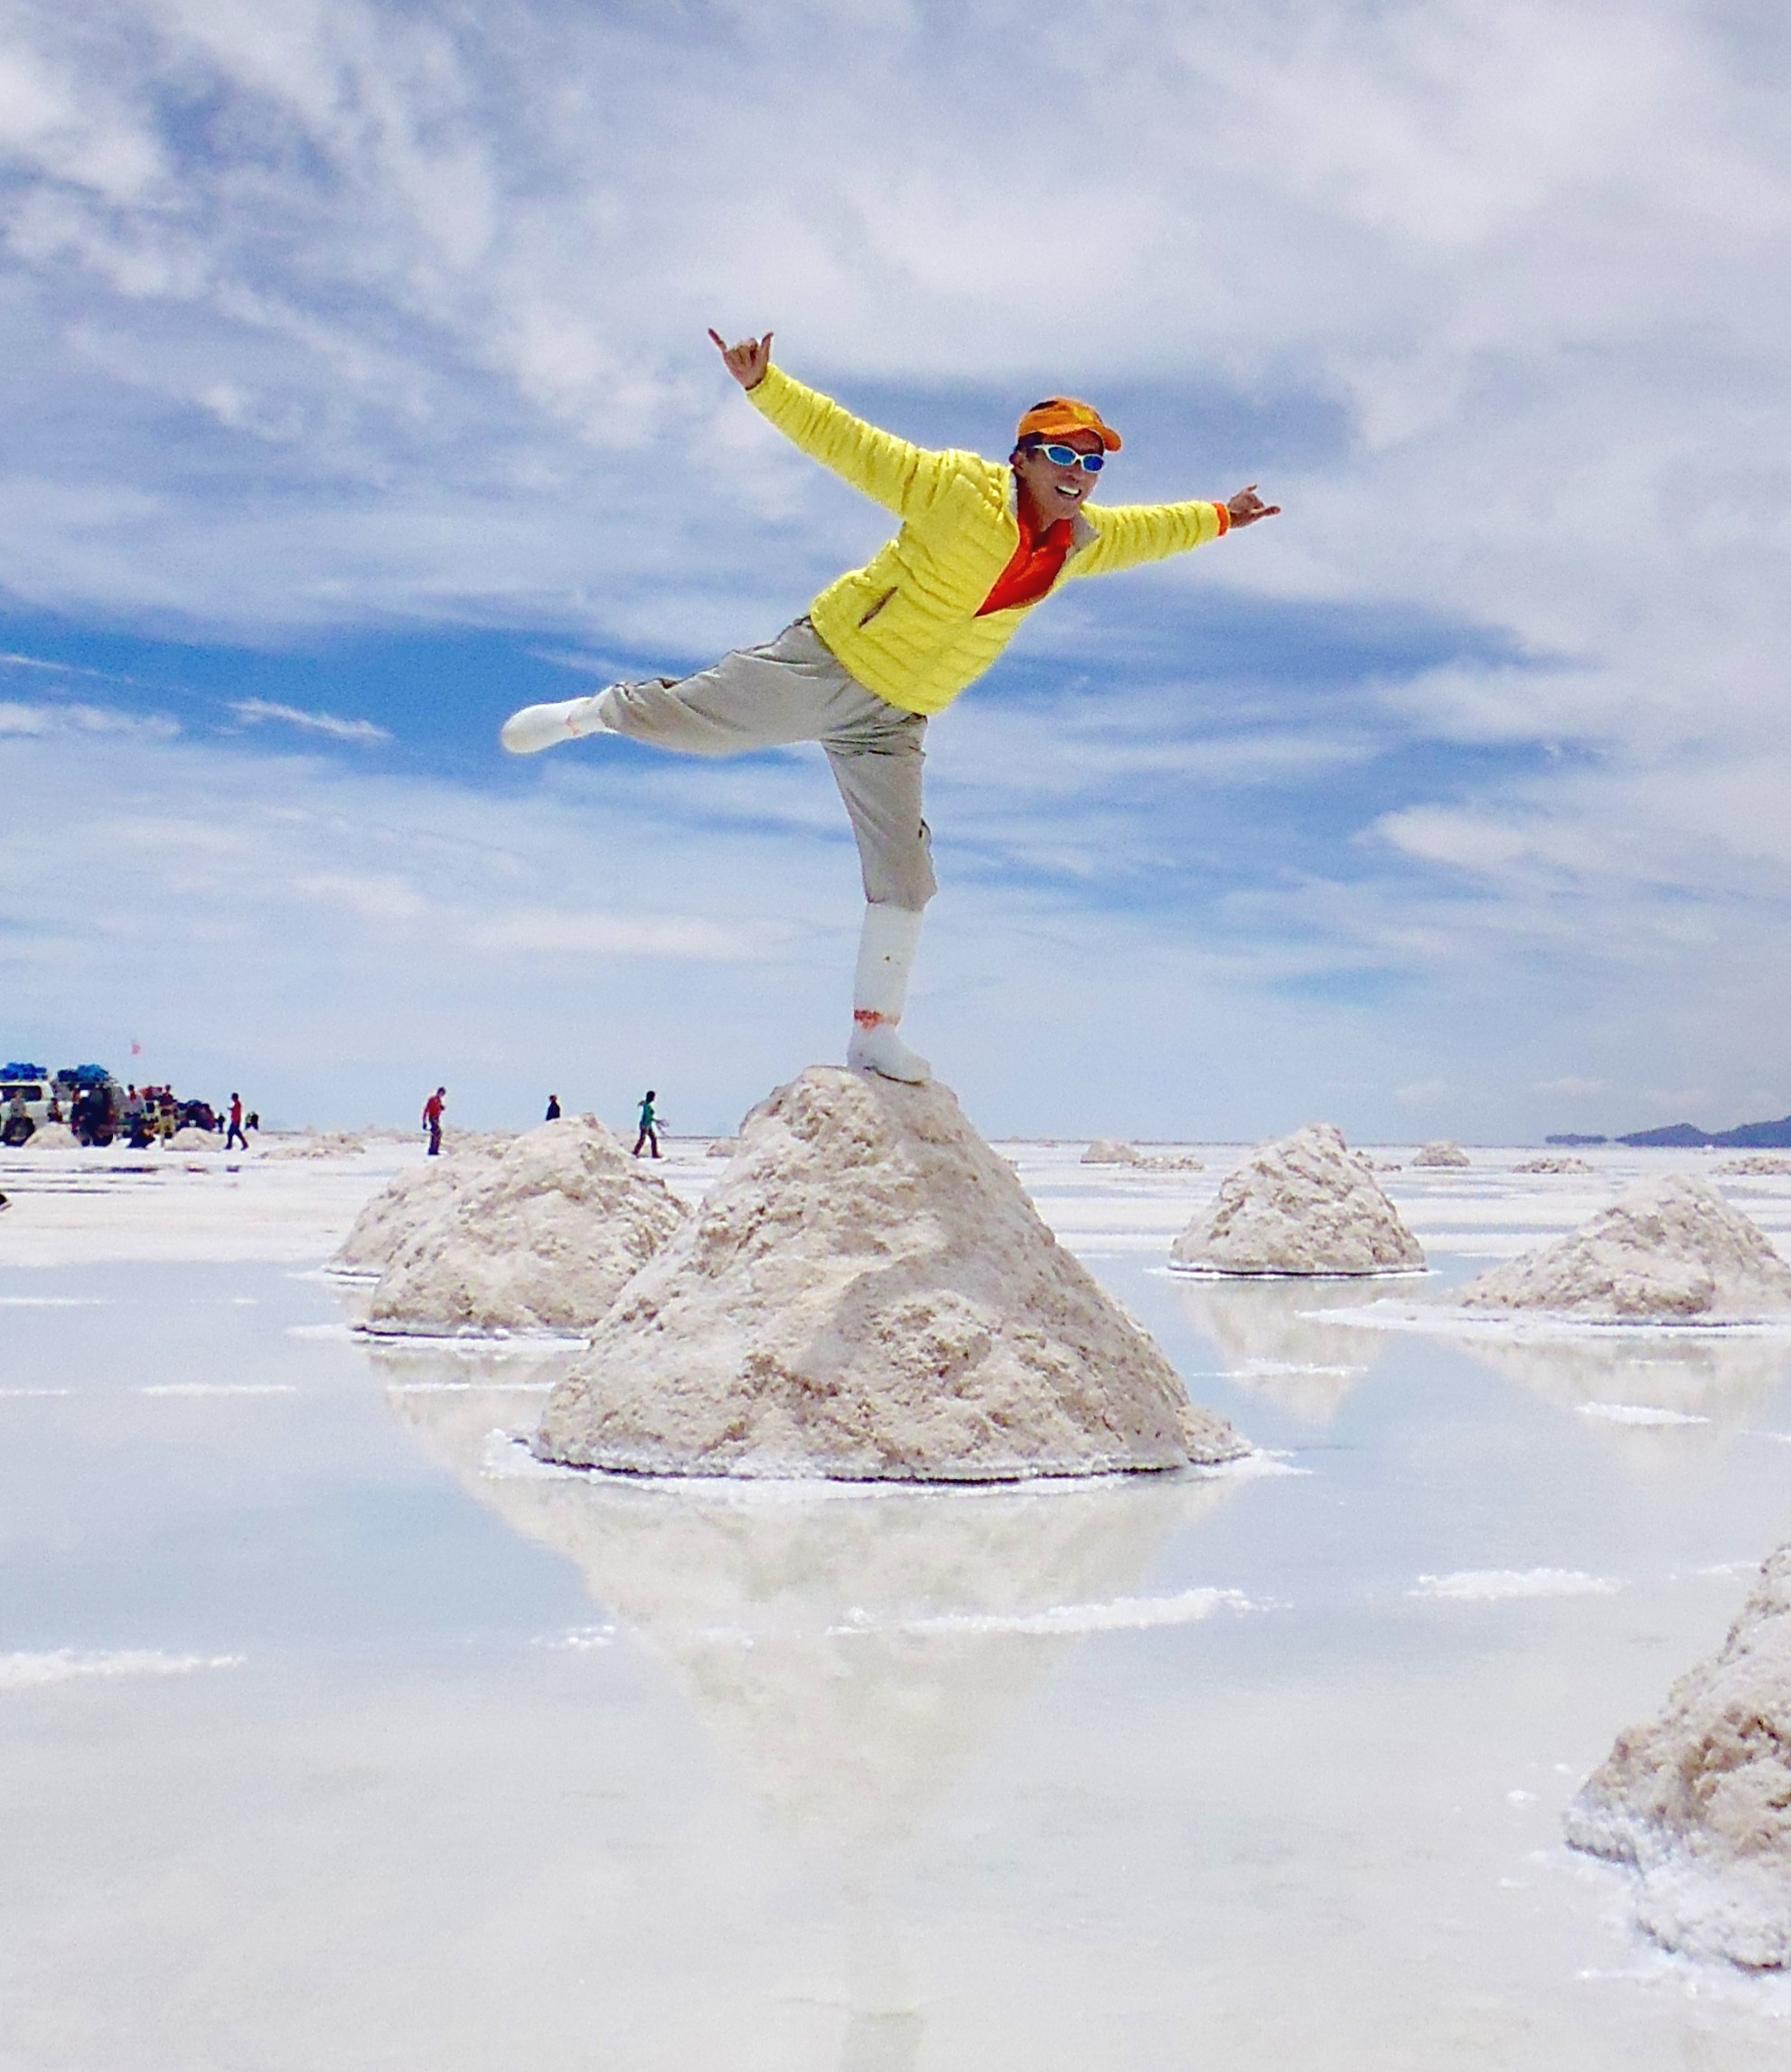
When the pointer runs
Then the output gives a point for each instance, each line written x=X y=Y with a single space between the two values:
x=902 y=477
x=1130 y=534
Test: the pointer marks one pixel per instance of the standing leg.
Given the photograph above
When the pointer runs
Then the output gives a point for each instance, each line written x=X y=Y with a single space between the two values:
x=877 y=764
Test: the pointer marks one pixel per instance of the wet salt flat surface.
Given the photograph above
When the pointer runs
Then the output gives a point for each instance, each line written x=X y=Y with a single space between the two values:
x=337 y=1732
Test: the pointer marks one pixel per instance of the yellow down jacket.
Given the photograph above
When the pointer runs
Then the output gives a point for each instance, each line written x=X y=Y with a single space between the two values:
x=906 y=624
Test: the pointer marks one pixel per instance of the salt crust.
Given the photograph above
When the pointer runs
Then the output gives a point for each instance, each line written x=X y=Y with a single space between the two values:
x=1306 y=1205
x=541 y=1237
x=1441 y=1153
x=869 y=1294
x=1671 y=1247
x=1699 y=1801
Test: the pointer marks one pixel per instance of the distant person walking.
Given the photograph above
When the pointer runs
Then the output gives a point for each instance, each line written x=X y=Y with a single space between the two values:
x=552 y=1114
x=236 y=1136
x=432 y=1119
x=649 y=1125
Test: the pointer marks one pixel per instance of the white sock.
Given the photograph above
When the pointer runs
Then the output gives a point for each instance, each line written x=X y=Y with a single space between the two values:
x=540 y=726
x=886 y=946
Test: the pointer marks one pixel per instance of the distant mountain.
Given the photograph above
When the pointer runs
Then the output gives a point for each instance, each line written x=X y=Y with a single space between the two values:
x=1568 y=1138
x=1687 y=1136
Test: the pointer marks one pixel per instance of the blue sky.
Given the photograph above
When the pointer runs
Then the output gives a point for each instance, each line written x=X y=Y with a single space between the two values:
x=356 y=391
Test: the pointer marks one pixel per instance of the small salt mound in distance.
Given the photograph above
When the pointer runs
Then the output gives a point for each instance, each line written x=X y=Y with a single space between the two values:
x=52 y=1137
x=1554 y=1166
x=1671 y=1247
x=723 y=1148
x=1305 y=1204
x=1699 y=1801
x=1761 y=1165
x=867 y=1294
x=189 y=1137
x=1174 y=1162
x=1104 y=1151
x=1442 y=1153
x=540 y=1238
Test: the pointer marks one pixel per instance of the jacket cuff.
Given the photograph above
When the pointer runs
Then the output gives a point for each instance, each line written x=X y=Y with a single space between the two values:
x=1225 y=519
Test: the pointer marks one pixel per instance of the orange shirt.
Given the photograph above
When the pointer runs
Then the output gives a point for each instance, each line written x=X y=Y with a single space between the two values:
x=1038 y=561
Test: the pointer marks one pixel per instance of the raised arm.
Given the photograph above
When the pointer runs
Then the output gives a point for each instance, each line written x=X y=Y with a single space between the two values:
x=900 y=476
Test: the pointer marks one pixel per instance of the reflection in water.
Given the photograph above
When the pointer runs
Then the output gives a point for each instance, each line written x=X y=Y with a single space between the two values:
x=852 y=1649
x=1720 y=1382
x=1304 y=1368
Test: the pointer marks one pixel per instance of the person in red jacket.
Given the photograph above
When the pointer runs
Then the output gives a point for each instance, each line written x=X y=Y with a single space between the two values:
x=432 y=1119
x=891 y=644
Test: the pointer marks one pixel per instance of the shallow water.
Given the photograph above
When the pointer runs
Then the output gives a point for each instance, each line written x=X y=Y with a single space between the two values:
x=336 y=1733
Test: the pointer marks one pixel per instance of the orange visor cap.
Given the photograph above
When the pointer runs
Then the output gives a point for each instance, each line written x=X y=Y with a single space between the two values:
x=1059 y=414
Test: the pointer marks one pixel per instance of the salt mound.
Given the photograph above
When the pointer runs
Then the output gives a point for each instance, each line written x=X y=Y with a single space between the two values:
x=1762 y=1163
x=1305 y=1204
x=1175 y=1162
x=869 y=1294
x=541 y=1237
x=1104 y=1151
x=408 y=1202
x=190 y=1137
x=1671 y=1247
x=1699 y=1802
x=1442 y=1153
x=52 y=1137
x=1554 y=1166
x=723 y=1148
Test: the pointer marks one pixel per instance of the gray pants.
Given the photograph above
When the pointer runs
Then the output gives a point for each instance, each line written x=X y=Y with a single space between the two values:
x=795 y=688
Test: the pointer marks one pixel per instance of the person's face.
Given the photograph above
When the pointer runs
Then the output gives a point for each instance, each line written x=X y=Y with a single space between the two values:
x=1057 y=491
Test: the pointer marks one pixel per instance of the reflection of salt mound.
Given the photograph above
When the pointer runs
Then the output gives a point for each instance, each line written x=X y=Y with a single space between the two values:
x=867 y=1293
x=541 y=1238
x=1761 y=1165
x=1553 y=1165
x=1442 y=1153
x=406 y=1203
x=1671 y=1247
x=1699 y=1802
x=1104 y=1151
x=52 y=1137
x=1305 y=1204
x=1664 y=1404
x=854 y=1654
x=1304 y=1367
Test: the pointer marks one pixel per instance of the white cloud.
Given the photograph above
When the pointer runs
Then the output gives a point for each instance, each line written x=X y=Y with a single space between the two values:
x=253 y=711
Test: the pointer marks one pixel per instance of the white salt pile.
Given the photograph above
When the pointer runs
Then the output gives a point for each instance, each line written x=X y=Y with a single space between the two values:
x=723 y=1148
x=869 y=1294
x=1671 y=1247
x=541 y=1237
x=1105 y=1151
x=1762 y=1165
x=1442 y=1153
x=1174 y=1162
x=189 y=1137
x=1699 y=1801
x=1305 y=1204
x=408 y=1202
x=1553 y=1165
x=313 y=1144
x=52 y=1137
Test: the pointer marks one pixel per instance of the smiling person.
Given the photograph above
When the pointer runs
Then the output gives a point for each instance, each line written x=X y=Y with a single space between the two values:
x=891 y=644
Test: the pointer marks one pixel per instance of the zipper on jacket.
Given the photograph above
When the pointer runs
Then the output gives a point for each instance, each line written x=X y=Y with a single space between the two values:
x=874 y=609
